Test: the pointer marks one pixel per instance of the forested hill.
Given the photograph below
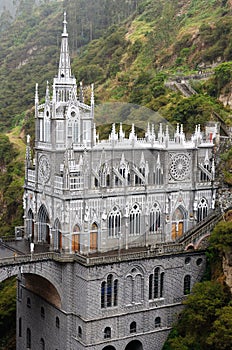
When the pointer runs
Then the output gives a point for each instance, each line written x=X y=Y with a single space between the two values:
x=127 y=47
x=29 y=46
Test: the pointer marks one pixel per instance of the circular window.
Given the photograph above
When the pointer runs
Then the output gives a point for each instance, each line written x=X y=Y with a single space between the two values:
x=199 y=261
x=180 y=167
x=187 y=260
x=73 y=114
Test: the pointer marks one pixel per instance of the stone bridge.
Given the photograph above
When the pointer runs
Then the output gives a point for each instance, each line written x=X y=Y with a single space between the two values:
x=50 y=265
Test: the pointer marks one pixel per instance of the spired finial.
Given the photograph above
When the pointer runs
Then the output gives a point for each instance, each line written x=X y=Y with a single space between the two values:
x=36 y=94
x=65 y=24
x=92 y=94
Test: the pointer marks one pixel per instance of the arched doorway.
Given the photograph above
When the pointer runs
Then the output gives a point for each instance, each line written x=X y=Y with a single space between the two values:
x=57 y=235
x=93 y=237
x=76 y=238
x=134 y=345
x=109 y=347
x=30 y=225
x=178 y=223
x=43 y=225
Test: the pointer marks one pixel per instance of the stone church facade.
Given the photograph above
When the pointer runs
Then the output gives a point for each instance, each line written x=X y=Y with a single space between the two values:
x=89 y=198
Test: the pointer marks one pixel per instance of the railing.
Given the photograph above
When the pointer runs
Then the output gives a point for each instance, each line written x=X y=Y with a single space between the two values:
x=200 y=229
x=117 y=255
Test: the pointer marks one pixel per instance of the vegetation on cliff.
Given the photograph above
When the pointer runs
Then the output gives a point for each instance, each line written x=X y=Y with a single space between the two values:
x=206 y=322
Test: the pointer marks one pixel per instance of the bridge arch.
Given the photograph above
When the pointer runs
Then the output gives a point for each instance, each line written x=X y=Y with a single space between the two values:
x=134 y=345
x=190 y=246
x=42 y=277
x=42 y=287
x=202 y=240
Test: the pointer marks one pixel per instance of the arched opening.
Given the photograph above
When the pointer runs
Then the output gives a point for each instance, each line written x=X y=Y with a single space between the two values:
x=76 y=238
x=93 y=237
x=114 y=223
x=135 y=220
x=107 y=333
x=134 y=345
x=43 y=225
x=133 y=327
x=42 y=287
x=30 y=225
x=42 y=344
x=202 y=210
x=155 y=219
x=178 y=223
x=28 y=338
x=109 y=347
x=187 y=284
x=57 y=235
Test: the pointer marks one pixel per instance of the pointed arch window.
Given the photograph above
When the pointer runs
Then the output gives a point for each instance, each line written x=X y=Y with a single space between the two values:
x=93 y=237
x=109 y=292
x=73 y=129
x=57 y=235
x=157 y=322
x=76 y=131
x=59 y=131
x=135 y=220
x=202 y=210
x=133 y=327
x=156 y=284
x=76 y=238
x=42 y=344
x=30 y=225
x=134 y=288
x=187 y=284
x=43 y=225
x=155 y=219
x=158 y=175
x=79 y=332
x=114 y=222
x=105 y=176
x=28 y=302
x=28 y=338
x=47 y=130
x=107 y=333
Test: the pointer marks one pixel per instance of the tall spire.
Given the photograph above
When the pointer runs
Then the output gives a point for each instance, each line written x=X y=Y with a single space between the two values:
x=64 y=65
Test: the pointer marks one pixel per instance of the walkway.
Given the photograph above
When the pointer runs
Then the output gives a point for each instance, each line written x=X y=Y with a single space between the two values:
x=191 y=238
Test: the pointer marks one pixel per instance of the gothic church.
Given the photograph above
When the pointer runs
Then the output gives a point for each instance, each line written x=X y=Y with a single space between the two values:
x=118 y=207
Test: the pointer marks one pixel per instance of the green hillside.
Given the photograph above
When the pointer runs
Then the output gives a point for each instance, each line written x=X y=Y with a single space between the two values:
x=128 y=48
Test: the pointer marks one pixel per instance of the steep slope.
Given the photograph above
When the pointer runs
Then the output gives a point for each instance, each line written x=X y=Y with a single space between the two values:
x=29 y=47
x=128 y=63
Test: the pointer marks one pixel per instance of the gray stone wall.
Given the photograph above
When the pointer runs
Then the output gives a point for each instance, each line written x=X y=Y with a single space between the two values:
x=41 y=325
x=83 y=320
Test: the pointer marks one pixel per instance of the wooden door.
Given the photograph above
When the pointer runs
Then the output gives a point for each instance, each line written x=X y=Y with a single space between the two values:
x=174 y=231
x=93 y=240
x=75 y=243
x=180 y=229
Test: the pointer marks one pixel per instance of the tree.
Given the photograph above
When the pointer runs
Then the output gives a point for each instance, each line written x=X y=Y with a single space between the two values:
x=221 y=336
x=199 y=317
x=221 y=237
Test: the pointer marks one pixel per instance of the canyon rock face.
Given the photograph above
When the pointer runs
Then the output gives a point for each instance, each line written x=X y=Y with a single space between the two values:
x=227 y=269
